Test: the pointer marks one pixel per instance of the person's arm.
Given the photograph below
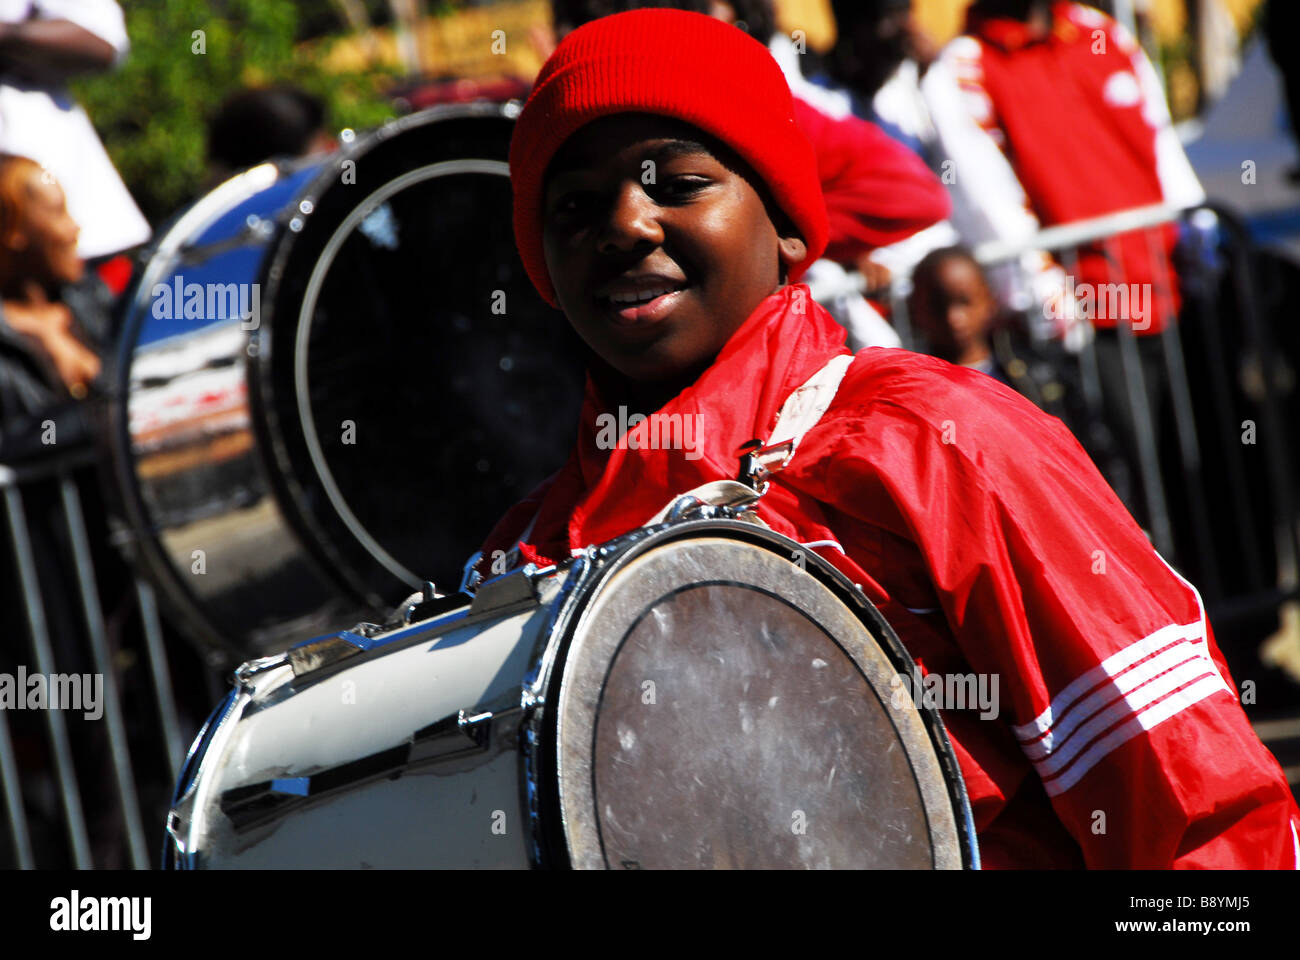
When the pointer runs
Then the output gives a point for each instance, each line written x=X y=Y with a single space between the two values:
x=52 y=328
x=1109 y=675
x=64 y=38
x=877 y=191
x=1178 y=181
x=51 y=51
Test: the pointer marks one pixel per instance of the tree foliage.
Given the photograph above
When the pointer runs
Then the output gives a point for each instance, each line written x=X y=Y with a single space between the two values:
x=152 y=112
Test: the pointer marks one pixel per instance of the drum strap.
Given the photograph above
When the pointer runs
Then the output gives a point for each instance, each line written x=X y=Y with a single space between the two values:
x=808 y=403
x=799 y=414
x=802 y=409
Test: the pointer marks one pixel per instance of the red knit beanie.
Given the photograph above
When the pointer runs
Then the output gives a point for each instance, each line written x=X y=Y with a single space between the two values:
x=676 y=64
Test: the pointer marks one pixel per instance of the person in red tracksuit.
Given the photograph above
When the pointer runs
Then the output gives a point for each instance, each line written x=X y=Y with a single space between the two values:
x=665 y=199
x=1050 y=113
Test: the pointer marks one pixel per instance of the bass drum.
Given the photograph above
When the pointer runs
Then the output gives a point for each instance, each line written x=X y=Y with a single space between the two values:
x=334 y=378
x=699 y=694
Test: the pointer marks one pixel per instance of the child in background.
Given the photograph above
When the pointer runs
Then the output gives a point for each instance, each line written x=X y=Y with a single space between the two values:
x=666 y=201
x=954 y=310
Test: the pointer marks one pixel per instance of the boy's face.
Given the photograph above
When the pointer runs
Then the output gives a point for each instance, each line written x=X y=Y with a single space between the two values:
x=658 y=245
x=954 y=311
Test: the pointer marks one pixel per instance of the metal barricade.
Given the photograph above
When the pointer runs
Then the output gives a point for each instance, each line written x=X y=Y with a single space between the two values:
x=80 y=790
x=1219 y=501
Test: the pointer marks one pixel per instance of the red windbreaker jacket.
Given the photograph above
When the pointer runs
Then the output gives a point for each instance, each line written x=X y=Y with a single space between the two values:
x=987 y=538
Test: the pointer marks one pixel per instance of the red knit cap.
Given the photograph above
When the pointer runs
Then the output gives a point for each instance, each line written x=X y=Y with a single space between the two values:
x=675 y=64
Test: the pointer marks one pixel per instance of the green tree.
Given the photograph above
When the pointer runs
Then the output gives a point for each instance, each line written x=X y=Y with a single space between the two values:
x=186 y=57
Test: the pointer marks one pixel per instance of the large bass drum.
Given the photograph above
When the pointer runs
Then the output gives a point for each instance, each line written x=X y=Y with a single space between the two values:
x=334 y=376
x=702 y=693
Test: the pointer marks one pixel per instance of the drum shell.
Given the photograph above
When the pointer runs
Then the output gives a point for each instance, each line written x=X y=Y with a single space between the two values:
x=506 y=667
x=276 y=728
x=212 y=583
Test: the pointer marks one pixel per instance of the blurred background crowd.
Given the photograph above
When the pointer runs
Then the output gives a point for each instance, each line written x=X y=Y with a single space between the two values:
x=1097 y=204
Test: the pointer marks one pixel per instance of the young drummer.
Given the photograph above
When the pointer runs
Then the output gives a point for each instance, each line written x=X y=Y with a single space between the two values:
x=665 y=200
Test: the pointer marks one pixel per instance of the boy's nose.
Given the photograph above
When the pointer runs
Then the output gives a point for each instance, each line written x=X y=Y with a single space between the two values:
x=632 y=221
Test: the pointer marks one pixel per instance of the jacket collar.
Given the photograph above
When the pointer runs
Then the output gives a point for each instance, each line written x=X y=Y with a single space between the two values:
x=614 y=482
x=1009 y=34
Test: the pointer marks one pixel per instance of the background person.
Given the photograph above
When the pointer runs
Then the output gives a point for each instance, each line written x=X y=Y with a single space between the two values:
x=54 y=320
x=959 y=319
x=1051 y=114
x=879 y=57
x=43 y=43
x=260 y=123
x=54 y=314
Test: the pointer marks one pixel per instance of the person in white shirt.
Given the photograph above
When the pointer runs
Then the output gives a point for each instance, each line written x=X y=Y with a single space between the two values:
x=42 y=44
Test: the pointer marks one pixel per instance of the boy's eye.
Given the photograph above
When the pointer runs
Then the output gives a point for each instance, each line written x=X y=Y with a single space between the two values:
x=573 y=205
x=682 y=185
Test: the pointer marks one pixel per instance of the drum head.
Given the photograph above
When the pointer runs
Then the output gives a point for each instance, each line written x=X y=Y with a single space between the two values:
x=414 y=383
x=723 y=708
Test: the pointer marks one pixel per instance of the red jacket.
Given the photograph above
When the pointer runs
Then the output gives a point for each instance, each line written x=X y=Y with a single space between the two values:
x=988 y=539
x=1074 y=119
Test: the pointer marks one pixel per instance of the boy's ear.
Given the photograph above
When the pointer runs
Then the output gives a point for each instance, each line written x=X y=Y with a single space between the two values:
x=792 y=249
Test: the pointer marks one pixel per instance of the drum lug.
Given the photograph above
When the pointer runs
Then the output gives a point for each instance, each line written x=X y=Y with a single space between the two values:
x=425 y=604
x=508 y=590
x=477 y=727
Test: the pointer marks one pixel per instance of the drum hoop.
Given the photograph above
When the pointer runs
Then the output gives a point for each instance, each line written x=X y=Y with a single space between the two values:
x=594 y=569
x=205 y=211
x=151 y=557
x=280 y=472
x=302 y=337
x=316 y=549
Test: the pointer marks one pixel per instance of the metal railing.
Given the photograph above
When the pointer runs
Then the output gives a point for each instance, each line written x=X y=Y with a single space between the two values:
x=109 y=813
x=1254 y=484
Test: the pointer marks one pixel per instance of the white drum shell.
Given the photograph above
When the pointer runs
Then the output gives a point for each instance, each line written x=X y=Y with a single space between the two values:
x=282 y=728
x=433 y=747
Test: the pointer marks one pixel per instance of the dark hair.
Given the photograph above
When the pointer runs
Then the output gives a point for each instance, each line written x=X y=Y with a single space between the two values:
x=1015 y=9
x=925 y=271
x=757 y=15
x=257 y=124
x=870 y=42
x=571 y=14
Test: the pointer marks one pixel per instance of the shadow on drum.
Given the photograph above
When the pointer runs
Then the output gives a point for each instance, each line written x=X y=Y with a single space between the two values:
x=334 y=377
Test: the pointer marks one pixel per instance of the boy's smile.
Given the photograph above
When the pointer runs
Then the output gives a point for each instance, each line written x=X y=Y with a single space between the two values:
x=658 y=243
